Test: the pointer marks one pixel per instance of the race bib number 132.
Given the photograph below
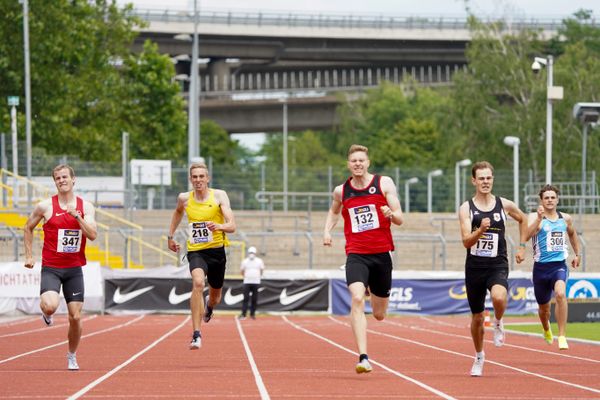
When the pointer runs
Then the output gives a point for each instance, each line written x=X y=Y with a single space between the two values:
x=364 y=218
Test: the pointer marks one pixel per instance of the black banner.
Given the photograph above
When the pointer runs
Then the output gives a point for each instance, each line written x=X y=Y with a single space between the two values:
x=159 y=294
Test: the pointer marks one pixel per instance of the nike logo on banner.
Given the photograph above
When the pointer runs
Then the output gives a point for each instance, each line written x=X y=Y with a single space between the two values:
x=231 y=299
x=175 y=298
x=287 y=300
x=122 y=298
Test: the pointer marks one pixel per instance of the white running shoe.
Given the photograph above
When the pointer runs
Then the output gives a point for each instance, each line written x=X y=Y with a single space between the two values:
x=48 y=320
x=477 y=368
x=364 y=366
x=196 y=343
x=72 y=362
x=499 y=333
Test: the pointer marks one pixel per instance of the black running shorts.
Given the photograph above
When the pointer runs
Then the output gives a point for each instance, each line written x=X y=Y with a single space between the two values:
x=374 y=270
x=212 y=262
x=71 y=280
x=479 y=280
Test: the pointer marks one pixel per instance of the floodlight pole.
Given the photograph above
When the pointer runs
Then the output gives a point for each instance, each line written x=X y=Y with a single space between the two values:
x=549 y=120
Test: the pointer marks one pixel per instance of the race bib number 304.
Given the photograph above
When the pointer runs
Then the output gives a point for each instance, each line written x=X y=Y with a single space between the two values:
x=486 y=246
x=69 y=241
x=364 y=218
x=199 y=233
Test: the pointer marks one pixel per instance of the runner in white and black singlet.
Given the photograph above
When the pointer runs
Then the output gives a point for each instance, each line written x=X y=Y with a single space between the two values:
x=482 y=225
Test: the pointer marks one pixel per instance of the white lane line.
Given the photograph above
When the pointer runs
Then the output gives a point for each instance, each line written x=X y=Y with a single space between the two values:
x=582 y=387
x=562 y=354
x=66 y=341
x=43 y=328
x=380 y=365
x=129 y=361
x=264 y=394
x=18 y=321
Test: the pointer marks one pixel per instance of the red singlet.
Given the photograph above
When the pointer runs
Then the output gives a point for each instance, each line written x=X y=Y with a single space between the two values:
x=64 y=241
x=366 y=229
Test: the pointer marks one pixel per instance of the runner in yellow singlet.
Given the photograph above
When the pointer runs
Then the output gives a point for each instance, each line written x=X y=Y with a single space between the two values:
x=209 y=217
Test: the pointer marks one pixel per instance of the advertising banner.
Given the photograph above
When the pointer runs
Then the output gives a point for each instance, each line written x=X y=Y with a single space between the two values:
x=20 y=288
x=158 y=294
x=430 y=296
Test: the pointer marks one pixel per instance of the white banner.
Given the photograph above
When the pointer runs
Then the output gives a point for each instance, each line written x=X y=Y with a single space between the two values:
x=23 y=284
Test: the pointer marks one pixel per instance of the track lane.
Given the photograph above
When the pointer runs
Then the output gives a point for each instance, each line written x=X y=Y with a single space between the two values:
x=295 y=364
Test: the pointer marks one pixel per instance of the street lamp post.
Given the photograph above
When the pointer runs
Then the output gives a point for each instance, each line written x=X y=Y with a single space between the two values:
x=285 y=155
x=430 y=175
x=588 y=114
x=193 y=102
x=27 y=98
x=514 y=142
x=462 y=163
x=407 y=184
x=552 y=93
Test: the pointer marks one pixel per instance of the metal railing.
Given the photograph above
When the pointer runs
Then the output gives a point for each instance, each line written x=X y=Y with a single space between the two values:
x=335 y=21
x=269 y=85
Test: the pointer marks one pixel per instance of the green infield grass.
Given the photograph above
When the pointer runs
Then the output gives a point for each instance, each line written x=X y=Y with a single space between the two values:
x=580 y=330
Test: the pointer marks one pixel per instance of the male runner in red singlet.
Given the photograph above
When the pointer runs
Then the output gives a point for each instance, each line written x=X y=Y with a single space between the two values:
x=369 y=205
x=68 y=222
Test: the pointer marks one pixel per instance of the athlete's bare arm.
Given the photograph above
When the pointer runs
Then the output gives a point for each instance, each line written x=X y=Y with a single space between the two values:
x=470 y=238
x=515 y=212
x=38 y=213
x=182 y=200
x=333 y=215
x=229 y=225
x=88 y=222
x=534 y=221
x=573 y=238
x=393 y=210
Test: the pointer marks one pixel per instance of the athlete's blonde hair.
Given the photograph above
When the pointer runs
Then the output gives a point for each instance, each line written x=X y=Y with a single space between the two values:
x=198 y=165
x=357 y=147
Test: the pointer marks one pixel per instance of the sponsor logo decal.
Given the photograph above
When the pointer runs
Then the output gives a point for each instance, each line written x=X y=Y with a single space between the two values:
x=458 y=292
x=583 y=288
x=232 y=299
x=122 y=298
x=286 y=299
x=175 y=298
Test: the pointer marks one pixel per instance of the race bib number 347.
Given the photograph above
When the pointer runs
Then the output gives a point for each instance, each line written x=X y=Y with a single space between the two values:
x=69 y=241
x=364 y=218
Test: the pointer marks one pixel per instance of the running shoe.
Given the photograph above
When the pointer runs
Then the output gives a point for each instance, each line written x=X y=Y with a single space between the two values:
x=48 y=320
x=548 y=336
x=499 y=333
x=196 y=342
x=72 y=362
x=241 y=317
x=562 y=343
x=364 y=366
x=208 y=311
x=477 y=368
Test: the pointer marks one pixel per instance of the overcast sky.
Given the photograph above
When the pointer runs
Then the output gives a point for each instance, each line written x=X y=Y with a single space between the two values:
x=451 y=8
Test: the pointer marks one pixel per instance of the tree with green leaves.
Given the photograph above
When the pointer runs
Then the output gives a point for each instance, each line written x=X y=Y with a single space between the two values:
x=87 y=87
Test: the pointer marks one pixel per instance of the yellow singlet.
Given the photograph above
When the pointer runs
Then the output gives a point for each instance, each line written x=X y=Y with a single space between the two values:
x=198 y=214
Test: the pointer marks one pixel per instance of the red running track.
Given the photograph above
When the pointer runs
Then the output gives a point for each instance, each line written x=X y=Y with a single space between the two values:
x=293 y=357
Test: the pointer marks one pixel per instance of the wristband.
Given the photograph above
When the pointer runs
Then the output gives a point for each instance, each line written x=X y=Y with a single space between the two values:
x=169 y=237
x=522 y=244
